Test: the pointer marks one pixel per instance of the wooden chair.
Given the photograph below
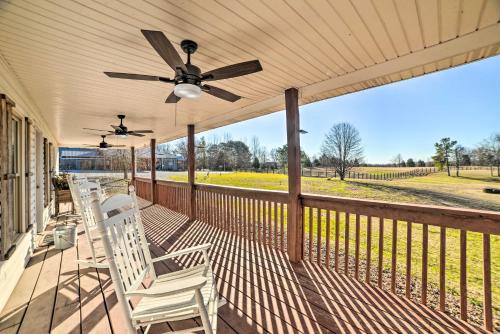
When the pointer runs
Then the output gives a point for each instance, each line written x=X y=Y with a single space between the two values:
x=178 y=295
x=82 y=191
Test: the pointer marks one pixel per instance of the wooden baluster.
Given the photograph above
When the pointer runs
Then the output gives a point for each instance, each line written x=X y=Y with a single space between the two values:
x=408 y=259
x=282 y=227
x=337 y=241
x=254 y=219
x=356 y=248
x=276 y=244
x=270 y=224
x=380 y=251
x=259 y=222
x=425 y=256
x=237 y=212
x=310 y=234
x=368 y=248
x=231 y=213
x=394 y=254
x=327 y=257
x=318 y=238
x=346 y=243
x=218 y=203
x=488 y=313
x=245 y=218
x=463 y=275
x=442 y=270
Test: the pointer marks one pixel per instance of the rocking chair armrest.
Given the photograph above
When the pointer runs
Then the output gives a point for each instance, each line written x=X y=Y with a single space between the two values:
x=171 y=288
x=200 y=248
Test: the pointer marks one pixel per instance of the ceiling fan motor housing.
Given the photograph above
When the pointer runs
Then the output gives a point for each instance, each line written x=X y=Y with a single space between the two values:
x=193 y=75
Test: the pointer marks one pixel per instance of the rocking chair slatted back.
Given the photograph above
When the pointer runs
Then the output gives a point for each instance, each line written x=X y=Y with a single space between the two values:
x=130 y=249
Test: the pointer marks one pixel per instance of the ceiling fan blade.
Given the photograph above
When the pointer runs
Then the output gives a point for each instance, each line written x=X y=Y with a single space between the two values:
x=140 y=131
x=135 y=134
x=109 y=145
x=233 y=71
x=172 y=98
x=98 y=130
x=88 y=145
x=116 y=127
x=165 y=49
x=136 y=76
x=220 y=93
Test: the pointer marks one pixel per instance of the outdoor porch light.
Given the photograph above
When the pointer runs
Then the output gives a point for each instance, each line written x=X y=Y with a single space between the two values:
x=186 y=90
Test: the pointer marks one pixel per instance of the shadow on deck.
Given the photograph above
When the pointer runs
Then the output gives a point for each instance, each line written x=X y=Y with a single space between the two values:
x=264 y=291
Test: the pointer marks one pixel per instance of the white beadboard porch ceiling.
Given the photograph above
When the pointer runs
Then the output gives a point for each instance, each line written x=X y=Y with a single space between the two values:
x=60 y=48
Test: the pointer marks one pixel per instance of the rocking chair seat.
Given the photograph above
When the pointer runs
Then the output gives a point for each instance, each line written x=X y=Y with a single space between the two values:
x=177 y=305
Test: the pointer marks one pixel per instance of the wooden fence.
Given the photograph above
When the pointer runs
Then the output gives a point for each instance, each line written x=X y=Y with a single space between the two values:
x=334 y=226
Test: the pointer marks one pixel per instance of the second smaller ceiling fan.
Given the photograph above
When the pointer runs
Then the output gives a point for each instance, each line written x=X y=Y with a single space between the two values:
x=104 y=145
x=122 y=131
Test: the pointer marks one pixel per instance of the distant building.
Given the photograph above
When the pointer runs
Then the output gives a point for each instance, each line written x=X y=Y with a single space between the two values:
x=80 y=159
x=164 y=161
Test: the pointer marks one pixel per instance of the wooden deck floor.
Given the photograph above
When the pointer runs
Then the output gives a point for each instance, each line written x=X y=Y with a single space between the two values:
x=264 y=291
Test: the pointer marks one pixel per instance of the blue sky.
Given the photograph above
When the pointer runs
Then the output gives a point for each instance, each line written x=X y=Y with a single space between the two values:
x=406 y=117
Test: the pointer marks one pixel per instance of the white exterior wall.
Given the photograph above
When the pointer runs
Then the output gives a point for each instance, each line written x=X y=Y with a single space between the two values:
x=11 y=269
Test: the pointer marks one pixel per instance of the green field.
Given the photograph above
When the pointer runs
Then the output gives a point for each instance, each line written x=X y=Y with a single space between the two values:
x=437 y=189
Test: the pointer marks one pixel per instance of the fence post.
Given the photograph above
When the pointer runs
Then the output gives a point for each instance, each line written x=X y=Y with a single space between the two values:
x=295 y=242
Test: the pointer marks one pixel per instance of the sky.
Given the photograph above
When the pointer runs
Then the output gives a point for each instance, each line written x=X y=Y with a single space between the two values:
x=406 y=117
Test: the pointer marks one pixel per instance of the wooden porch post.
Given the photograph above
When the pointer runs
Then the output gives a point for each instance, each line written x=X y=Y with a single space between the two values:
x=294 y=212
x=132 y=164
x=153 y=170
x=191 y=171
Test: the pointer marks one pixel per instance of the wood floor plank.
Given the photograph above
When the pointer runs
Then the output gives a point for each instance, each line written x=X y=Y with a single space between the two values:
x=93 y=309
x=14 y=311
x=39 y=313
x=67 y=315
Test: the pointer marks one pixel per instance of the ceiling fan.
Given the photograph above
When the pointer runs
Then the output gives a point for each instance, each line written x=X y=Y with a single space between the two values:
x=122 y=131
x=188 y=78
x=104 y=145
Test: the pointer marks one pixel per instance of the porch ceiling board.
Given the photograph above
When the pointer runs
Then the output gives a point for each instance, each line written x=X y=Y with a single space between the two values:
x=59 y=49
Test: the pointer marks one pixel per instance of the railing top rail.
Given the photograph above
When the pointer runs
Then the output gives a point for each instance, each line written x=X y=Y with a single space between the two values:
x=143 y=179
x=179 y=184
x=466 y=219
x=270 y=195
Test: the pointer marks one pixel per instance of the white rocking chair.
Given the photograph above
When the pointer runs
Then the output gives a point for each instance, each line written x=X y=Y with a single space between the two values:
x=178 y=295
x=82 y=194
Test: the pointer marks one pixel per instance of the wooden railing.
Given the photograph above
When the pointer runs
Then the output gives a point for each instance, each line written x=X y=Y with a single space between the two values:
x=356 y=236
x=405 y=248
x=258 y=215
x=143 y=188
x=173 y=195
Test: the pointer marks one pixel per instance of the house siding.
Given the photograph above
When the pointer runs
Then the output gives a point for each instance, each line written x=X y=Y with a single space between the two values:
x=26 y=223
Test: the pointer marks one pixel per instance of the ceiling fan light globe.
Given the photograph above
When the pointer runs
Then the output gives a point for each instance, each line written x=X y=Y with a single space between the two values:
x=122 y=136
x=188 y=91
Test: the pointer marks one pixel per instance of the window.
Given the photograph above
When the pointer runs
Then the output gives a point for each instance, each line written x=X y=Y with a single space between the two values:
x=10 y=175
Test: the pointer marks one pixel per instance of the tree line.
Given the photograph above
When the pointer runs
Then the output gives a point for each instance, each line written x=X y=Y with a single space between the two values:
x=341 y=150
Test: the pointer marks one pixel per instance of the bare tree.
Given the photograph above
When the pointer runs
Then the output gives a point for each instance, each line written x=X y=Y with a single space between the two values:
x=342 y=145
x=458 y=153
x=397 y=160
x=255 y=147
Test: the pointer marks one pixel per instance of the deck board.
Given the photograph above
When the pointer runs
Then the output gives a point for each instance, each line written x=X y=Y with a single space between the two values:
x=265 y=293
x=66 y=314
x=15 y=309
